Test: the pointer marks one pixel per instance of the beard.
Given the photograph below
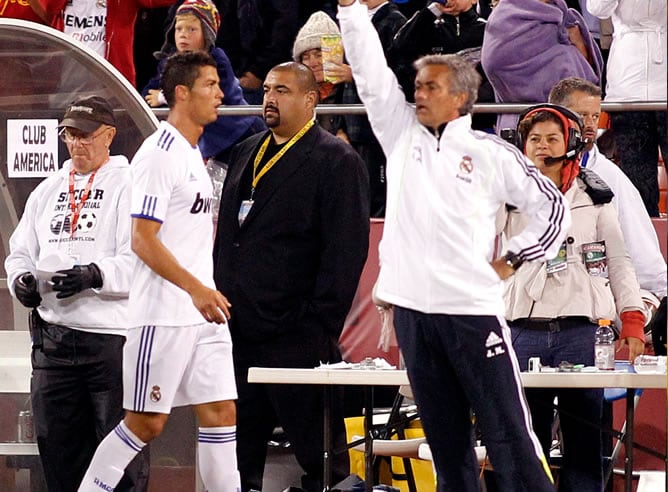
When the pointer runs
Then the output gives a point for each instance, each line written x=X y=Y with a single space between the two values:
x=272 y=119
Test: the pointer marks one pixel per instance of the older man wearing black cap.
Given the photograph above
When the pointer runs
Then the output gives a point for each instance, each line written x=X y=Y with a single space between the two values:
x=70 y=260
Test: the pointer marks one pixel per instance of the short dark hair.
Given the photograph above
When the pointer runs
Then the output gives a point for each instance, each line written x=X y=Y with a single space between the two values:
x=183 y=69
x=540 y=116
x=562 y=90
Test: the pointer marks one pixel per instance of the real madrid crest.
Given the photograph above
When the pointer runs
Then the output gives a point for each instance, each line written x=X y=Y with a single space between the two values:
x=155 y=394
x=466 y=164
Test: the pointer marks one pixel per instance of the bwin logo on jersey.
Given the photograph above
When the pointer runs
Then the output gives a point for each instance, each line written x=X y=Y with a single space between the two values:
x=201 y=205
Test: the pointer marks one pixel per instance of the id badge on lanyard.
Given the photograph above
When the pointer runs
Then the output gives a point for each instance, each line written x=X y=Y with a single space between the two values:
x=244 y=209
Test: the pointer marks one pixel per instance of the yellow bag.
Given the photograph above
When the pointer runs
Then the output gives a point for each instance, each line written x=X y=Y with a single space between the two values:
x=391 y=471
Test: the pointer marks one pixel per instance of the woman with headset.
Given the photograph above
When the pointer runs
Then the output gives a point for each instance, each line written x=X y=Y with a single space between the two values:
x=553 y=307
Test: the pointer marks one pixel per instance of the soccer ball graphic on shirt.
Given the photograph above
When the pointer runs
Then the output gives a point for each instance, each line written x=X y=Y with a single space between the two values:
x=87 y=222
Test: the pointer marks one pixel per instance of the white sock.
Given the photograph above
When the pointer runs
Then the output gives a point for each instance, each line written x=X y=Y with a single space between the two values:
x=217 y=455
x=113 y=454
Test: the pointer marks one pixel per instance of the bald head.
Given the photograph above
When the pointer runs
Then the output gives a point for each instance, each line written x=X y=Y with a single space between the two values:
x=290 y=98
x=303 y=75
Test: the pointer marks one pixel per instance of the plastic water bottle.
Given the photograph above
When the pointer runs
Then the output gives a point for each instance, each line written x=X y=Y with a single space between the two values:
x=604 y=348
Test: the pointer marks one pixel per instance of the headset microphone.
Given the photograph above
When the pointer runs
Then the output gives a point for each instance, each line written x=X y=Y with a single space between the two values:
x=549 y=161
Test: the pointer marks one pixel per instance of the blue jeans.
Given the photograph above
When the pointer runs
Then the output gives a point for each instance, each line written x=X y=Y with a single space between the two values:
x=579 y=409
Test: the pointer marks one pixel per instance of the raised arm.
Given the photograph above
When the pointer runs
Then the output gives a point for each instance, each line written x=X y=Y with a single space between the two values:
x=377 y=85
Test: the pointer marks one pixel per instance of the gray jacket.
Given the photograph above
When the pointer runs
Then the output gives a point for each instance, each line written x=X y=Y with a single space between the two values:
x=533 y=293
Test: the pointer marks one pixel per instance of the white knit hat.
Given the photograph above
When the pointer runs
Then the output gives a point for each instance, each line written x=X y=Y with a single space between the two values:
x=308 y=36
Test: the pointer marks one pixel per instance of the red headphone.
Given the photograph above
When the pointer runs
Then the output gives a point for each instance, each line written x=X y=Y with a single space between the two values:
x=572 y=123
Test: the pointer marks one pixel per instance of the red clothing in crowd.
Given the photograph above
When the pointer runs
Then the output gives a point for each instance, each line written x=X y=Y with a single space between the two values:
x=121 y=17
x=18 y=9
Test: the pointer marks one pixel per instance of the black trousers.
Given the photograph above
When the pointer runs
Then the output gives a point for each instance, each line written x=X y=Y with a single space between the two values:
x=298 y=409
x=459 y=363
x=77 y=399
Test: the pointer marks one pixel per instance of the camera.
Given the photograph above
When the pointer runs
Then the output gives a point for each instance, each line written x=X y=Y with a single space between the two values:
x=509 y=135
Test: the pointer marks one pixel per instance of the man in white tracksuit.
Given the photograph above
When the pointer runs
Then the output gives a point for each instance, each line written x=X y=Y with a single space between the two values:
x=584 y=98
x=446 y=183
x=70 y=259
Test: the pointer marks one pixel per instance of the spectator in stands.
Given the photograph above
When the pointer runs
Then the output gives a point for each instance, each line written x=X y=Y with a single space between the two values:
x=340 y=89
x=387 y=19
x=257 y=35
x=584 y=98
x=409 y=7
x=599 y=30
x=111 y=32
x=150 y=28
x=307 y=50
x=530 y=45
x=195 y=27
x=17 y=72
x=438 y=28
x=450 y=27
x=484 y=7
x=637 y=72
x=552 y=307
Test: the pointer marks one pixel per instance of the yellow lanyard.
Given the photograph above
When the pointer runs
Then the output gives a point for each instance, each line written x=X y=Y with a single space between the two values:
x=274 y=160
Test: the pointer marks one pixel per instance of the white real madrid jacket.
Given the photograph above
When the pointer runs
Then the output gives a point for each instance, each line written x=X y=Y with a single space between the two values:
x=443 y=193
x=102 y=236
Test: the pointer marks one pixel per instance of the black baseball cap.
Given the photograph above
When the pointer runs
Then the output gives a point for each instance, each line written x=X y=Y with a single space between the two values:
x=88 y=113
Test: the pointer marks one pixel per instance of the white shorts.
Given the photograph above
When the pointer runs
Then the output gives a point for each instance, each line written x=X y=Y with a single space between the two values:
x=172 y=366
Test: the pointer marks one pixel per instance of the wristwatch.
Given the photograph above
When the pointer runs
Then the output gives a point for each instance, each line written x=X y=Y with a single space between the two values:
x=513 y=260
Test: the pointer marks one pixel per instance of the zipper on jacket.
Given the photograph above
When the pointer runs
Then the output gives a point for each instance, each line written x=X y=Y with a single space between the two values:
x=458 y=30
x=437 y=132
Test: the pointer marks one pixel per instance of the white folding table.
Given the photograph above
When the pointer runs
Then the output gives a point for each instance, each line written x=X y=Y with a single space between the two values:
x=379 y=377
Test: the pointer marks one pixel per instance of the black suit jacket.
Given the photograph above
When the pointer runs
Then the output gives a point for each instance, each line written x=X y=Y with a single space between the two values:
x=291 y=270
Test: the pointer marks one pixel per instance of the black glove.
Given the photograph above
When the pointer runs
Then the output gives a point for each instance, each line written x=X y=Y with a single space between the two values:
x=74 y=280
x=25 y=288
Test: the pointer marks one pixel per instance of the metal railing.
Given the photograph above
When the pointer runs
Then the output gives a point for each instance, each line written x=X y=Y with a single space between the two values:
x=161 y=113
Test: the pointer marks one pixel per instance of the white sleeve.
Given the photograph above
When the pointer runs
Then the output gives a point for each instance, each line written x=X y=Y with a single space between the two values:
x=536 y=196
x=117 y=270
x=640 y=237
x=602 y=8
x=23 y=244
x=153 y=179
x=389 y=113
